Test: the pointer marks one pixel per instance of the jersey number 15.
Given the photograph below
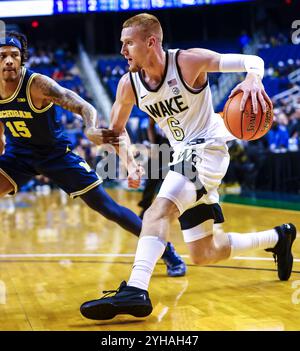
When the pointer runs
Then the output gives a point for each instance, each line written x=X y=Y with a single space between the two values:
x=18 y=129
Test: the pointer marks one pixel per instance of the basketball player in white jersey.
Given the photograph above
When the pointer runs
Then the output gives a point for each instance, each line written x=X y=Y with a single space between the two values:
x=172 y=87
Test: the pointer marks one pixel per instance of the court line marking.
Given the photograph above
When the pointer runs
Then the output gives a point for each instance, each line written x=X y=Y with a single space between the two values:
x=129 y=263
x=250 y=258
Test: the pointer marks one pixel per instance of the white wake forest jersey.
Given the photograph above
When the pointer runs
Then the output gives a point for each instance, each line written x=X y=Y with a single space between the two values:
x=183 y=113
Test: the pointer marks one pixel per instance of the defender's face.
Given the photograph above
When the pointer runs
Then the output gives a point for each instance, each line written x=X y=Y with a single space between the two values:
x=10 y=63
x=134 y=48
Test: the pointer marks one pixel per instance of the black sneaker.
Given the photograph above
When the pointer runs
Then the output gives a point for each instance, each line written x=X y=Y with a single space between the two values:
x=127 y=300
x=282 y=252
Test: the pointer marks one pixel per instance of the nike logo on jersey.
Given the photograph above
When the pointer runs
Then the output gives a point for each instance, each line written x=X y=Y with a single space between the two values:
x=168 y=107
x=142 y=97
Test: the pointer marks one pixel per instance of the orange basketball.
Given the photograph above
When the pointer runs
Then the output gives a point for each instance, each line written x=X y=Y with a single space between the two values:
x=246 y=125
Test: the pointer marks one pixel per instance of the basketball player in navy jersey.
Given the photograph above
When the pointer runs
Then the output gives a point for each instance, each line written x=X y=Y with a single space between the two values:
x=172 y=87
x=35 y=143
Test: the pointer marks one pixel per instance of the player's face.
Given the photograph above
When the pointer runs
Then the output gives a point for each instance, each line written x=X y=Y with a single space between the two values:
x=134 y=48
x=10 y=63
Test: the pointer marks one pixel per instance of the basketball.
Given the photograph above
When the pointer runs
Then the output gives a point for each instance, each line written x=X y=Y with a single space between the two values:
x=246 y=125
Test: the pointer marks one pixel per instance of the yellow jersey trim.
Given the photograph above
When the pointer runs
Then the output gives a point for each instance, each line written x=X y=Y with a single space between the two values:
x=34 y=109
x=12 y=97
x=13 y=183
x=85 y=190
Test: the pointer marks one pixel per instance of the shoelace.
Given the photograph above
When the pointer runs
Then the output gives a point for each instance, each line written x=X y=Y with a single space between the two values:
x=108 y=292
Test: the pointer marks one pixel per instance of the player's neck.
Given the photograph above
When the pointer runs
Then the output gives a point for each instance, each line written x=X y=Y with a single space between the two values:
x=154 y=70
x=7 y=88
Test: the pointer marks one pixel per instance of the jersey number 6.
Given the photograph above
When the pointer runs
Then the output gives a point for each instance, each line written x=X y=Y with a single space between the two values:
x=177 y=132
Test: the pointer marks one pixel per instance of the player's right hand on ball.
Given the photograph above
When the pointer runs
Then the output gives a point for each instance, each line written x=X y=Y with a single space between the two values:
x=101 y=136
x=252 y=87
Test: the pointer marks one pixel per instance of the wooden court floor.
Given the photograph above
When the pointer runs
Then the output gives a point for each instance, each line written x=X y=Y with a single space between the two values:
x=55 y=253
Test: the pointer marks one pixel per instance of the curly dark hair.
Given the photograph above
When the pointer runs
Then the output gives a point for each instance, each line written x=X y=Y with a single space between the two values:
x=23 y=40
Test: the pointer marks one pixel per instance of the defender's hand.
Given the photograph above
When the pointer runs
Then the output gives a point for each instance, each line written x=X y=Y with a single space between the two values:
x=102 y=136
x=253 y=86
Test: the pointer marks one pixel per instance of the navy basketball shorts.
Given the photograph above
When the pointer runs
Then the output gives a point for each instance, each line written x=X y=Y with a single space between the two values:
x=67 y=170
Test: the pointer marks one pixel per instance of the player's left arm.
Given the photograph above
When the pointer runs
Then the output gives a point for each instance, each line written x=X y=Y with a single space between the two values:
x=210 y=61
x=45 y=90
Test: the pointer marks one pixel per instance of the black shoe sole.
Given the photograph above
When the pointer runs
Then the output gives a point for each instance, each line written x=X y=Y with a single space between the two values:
x=109 y=311
x=286 y=275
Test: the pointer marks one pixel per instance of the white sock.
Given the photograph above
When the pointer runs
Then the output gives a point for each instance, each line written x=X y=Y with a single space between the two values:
x=249 y=241
x=148 y=252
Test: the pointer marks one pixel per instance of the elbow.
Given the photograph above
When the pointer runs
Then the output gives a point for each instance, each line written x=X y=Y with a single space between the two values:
x=87 y=109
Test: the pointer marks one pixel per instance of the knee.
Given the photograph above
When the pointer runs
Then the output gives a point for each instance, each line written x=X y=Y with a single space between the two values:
x=149 y=214
x=110 y=211
x=158 y=217
x=100 y=202
x=153 y=215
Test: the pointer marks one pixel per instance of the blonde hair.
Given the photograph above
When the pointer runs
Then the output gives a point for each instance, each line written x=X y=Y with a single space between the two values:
x=149 y=25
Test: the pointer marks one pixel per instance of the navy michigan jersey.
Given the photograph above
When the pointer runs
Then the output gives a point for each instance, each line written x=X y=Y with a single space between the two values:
x=36 y=144
x=27 y=128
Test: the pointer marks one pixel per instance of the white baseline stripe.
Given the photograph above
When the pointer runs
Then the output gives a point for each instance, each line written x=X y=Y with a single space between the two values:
x=45 y=255
x=259 y=258
x=64 y=255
